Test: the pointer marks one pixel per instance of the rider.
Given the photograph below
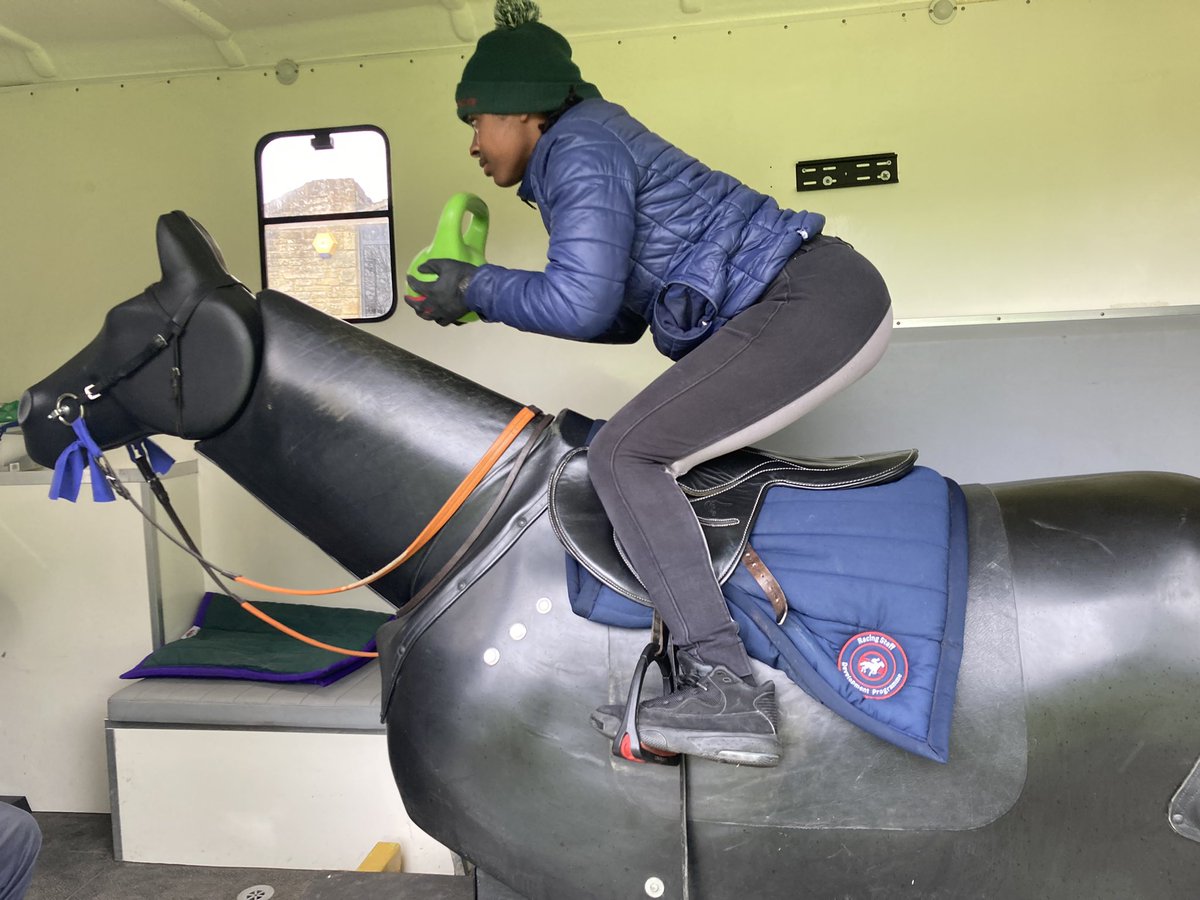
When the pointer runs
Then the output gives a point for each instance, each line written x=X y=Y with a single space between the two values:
x=764 y=315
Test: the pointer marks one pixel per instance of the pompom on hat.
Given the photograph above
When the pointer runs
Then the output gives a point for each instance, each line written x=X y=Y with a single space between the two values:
x=521 y=67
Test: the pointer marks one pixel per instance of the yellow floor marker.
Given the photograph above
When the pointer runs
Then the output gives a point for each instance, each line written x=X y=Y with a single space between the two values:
x=384 y=857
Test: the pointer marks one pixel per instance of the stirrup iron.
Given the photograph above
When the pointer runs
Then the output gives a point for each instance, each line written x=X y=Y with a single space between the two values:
x=627 y=743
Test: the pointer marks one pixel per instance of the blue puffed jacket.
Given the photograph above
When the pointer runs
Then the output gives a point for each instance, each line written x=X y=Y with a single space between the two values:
x=640 y=234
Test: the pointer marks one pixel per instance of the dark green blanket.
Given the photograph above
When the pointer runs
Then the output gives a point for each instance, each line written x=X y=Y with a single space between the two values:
x=225 y=641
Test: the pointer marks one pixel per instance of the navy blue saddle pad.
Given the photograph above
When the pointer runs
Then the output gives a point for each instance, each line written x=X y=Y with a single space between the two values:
x=876 y=582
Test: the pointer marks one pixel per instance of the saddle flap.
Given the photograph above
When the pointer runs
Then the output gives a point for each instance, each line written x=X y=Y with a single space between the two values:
x=726 y=494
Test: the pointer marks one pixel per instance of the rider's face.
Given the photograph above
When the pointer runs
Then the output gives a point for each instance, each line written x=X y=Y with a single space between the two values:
x=504 y=143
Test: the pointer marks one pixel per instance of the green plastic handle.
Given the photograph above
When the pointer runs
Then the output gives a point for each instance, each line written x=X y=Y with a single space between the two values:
x=453 y=241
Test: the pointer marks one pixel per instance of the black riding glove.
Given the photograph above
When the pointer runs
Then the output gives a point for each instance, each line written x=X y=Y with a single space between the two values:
x=441 y=300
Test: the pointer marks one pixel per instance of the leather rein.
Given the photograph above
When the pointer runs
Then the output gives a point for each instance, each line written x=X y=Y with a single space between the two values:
x=452 y=505
x=169 y=336
x=454 y=502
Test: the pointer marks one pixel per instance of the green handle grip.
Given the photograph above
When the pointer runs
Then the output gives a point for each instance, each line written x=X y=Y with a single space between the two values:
x=453 y=241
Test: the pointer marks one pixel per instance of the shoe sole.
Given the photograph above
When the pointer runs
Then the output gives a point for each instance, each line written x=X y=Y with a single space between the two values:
x=761 y=751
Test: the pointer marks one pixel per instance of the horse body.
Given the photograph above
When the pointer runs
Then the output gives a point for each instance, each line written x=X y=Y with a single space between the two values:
x=1078 y=713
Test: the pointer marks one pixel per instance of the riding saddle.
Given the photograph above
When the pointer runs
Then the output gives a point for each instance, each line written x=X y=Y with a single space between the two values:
x=852 y=578
x=726 y=493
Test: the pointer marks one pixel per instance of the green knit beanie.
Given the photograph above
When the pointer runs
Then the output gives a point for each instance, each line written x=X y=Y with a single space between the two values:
x=521 y=67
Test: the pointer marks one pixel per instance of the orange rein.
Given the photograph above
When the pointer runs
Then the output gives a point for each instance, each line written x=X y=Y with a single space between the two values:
x=449 y=508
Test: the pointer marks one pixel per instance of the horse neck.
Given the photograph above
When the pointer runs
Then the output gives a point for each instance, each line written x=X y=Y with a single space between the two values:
x=353 y=441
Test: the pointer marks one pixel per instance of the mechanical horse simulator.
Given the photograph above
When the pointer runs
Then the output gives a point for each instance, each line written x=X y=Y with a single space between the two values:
x=1075 y=731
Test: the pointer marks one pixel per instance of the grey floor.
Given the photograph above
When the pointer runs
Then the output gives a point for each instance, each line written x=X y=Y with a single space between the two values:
x=76 y=863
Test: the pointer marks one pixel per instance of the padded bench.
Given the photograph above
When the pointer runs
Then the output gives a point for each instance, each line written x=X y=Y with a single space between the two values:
x=218 y=772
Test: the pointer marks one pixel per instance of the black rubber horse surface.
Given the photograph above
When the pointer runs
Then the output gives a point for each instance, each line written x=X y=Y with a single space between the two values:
x=1078 y=715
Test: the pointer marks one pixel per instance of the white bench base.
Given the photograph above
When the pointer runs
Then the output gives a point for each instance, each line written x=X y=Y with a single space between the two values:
x=276 y=796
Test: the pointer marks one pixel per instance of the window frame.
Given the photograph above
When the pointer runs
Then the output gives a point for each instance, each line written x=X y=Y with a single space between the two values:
x=264 y=220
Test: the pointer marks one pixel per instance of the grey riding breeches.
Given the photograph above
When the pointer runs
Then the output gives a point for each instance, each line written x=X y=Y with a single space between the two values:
x=820 y=325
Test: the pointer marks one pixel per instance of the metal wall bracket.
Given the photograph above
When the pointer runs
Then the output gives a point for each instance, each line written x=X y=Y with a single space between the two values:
x=847 y=171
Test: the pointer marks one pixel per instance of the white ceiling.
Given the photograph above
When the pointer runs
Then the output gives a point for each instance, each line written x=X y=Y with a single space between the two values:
x=47 y=41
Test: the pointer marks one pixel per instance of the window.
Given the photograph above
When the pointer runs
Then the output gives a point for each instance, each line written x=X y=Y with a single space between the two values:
x=325 y=219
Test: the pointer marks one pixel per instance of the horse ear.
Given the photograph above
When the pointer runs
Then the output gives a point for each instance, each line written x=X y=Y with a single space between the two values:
x=187 y=251
x=211 y=244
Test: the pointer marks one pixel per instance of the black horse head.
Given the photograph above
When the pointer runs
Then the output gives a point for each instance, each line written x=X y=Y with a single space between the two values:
x=129 y=382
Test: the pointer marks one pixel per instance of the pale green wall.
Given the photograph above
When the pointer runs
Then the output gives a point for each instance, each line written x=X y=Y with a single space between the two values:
x=1047 y=160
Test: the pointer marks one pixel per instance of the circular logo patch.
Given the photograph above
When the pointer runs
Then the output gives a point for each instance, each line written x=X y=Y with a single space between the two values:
x=874 y=663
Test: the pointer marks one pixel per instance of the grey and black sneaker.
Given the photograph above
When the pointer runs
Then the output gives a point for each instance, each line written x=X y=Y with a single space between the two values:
x=714 y=714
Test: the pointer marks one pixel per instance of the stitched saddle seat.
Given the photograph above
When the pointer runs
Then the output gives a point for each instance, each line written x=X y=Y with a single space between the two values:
x=726 y=494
